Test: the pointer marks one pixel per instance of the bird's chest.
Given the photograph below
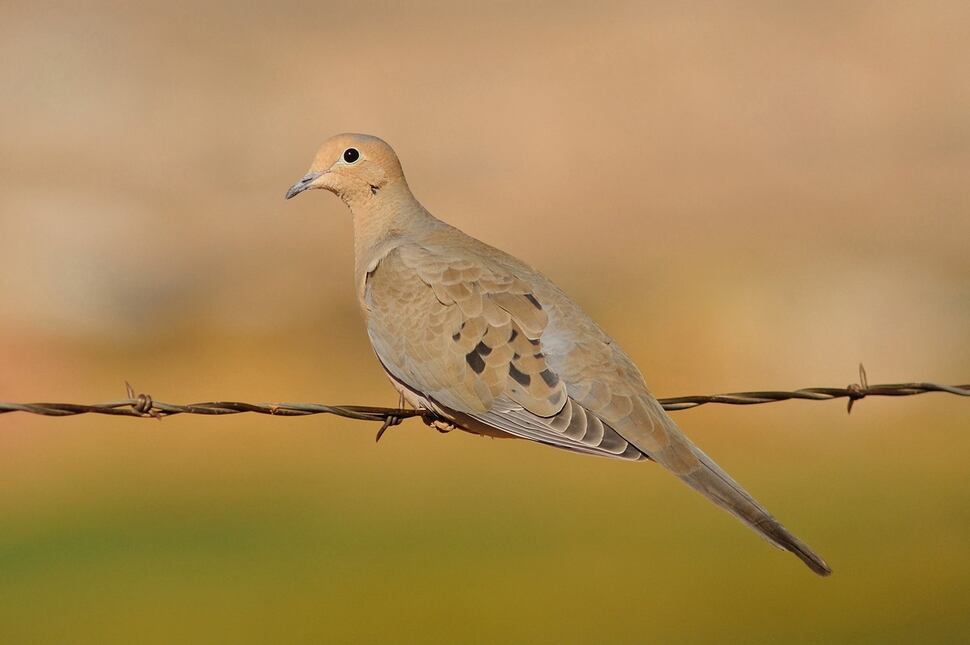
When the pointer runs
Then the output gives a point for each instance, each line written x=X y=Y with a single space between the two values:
x=407 y=326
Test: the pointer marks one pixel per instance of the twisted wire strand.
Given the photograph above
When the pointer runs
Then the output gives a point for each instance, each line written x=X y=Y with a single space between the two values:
x=143 y=405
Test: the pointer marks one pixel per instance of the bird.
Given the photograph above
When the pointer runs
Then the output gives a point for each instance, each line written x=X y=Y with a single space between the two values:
x=489 y=345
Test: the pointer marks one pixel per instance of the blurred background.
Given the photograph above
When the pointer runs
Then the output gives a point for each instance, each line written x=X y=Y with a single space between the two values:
x=746 y=195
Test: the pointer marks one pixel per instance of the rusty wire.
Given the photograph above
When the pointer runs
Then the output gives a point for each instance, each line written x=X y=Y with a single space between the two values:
x=143 y=405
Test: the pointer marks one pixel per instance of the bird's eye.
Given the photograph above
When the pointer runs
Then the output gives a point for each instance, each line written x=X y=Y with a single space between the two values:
x=351 y=155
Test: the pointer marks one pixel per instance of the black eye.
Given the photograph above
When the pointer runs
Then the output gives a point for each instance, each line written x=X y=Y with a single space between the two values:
x=351 y=155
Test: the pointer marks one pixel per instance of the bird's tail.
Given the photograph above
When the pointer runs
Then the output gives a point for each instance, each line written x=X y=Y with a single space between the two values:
x=706 y=477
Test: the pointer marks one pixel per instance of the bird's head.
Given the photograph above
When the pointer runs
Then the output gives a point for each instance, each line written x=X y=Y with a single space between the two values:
x=352 y=166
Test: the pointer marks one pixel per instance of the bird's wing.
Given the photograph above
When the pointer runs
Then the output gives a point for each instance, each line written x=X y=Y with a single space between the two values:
x=468 y=335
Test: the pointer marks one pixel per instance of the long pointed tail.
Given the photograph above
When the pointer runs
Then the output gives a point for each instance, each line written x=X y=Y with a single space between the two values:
x=717 y=485
x=689 y=463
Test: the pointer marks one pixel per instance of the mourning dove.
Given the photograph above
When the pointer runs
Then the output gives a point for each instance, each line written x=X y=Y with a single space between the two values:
x=493 y=347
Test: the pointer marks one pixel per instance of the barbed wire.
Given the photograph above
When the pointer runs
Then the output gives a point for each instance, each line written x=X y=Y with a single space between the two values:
x=143 y=405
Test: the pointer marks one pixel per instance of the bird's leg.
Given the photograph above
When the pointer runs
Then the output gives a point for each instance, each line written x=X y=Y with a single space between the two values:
x=391 y=420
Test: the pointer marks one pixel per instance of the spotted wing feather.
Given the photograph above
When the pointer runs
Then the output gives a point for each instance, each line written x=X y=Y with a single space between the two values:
x=468 y=337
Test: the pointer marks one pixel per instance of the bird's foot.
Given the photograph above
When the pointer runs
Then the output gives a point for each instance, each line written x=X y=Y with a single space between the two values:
x=442 y=425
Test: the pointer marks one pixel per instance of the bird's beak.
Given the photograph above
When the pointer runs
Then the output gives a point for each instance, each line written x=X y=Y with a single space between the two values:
x=305 y=182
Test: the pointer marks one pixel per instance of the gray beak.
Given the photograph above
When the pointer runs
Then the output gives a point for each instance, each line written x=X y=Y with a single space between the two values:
x=302 y=185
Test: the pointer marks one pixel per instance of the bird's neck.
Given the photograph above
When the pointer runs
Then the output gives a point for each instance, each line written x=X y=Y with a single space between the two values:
x=381 y=222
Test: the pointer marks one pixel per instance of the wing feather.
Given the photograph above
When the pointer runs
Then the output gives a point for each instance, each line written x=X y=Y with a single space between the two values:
x=469 y=339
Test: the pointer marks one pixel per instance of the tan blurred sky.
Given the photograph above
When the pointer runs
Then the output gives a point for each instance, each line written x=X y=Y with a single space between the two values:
x=763 y=188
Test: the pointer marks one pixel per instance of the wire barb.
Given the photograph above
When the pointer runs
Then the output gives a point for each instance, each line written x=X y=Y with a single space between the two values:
x=391 y=420
x=858 y=390
x=143 y=405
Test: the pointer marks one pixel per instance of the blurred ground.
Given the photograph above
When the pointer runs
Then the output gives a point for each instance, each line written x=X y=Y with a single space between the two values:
x=778 y=191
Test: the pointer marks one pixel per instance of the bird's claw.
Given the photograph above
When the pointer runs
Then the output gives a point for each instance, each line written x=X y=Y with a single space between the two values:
x=442 y=425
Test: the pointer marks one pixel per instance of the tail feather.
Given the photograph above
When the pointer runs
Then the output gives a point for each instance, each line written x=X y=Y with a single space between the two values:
x=712 y=482
x=699 y=471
